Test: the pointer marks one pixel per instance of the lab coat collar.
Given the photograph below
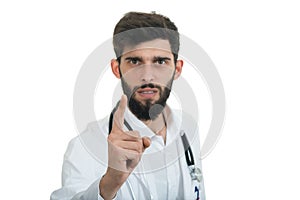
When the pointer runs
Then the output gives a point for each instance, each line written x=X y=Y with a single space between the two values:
x=173 y=121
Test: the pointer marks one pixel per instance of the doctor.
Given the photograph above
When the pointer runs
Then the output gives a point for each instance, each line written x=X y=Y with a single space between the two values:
x=149 y=146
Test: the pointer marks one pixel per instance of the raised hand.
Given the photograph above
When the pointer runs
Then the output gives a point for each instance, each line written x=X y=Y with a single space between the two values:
x=125 y=149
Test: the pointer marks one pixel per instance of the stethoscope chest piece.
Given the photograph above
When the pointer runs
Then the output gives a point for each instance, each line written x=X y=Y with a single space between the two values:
x=196 y=173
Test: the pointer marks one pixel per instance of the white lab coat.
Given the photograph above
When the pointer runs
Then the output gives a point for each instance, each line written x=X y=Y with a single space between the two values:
x=161 y=174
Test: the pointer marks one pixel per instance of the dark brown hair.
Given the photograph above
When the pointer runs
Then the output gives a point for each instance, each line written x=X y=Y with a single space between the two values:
x=137 y=27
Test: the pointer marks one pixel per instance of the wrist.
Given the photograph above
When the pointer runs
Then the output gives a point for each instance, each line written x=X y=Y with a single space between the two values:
x=111 y=182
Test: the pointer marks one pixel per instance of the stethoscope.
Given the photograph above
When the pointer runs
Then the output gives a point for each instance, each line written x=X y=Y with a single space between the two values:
x=195 y=173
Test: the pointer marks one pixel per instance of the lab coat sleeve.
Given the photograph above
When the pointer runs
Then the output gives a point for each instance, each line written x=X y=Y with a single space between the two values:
x=90 y=193
x=80 y=175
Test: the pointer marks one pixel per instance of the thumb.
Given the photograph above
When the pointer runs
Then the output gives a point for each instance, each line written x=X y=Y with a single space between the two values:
x=146 y=142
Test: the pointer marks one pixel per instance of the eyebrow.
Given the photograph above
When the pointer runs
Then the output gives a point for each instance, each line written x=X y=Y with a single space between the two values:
x=157 y=58
x=140 y=59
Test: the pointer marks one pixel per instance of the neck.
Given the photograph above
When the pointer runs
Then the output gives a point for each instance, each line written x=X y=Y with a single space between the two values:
x=158 y=126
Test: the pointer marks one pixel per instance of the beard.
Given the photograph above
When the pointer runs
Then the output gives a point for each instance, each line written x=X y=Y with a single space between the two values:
x=149 y=110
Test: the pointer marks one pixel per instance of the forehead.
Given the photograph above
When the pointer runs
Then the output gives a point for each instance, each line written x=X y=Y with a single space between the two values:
x=155 y=47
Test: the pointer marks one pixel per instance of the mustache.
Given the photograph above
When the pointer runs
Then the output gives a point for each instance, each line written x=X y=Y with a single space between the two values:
x=150 y=85
x=147 y=85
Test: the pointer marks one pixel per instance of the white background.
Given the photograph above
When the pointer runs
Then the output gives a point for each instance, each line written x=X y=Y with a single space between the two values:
x=254 y=44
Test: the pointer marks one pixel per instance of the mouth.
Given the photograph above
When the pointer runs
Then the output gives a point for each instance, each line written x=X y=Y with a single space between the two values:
x=147 y=93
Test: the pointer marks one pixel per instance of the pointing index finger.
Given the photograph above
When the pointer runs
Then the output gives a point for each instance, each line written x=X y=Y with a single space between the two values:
x=118 y=121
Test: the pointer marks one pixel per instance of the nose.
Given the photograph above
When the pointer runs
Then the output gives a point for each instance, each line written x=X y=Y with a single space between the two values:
x=147 y=73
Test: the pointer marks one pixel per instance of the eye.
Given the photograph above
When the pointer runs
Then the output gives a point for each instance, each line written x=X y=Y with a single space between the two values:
x=161 y=61
x=134 y=61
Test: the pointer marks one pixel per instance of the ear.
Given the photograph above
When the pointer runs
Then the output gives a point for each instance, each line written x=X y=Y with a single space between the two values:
x=178 y=68
x=114 y=64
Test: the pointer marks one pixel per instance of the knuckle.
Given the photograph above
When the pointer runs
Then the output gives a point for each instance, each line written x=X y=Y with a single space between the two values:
x=110 y=140
x=113 y=136
x=139 y=147
x=135 y=133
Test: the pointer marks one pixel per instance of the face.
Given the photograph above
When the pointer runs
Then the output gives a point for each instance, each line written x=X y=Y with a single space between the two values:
x=147 y=72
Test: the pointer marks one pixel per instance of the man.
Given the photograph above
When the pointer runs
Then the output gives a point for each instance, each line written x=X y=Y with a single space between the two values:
x=148 y=154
